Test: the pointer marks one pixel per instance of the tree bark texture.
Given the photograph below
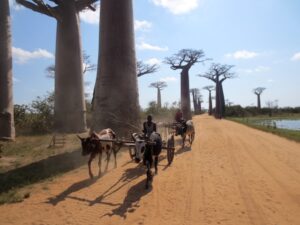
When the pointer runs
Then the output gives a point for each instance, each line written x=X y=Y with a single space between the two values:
x=158 y=98
x=258 y=101
x=69 y=108
x=7 y=128
x=185 y=95
x=209 y=104
x=116 y=91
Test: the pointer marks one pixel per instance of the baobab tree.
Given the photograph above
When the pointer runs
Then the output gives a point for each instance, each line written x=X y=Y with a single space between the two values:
x=258 y=91
x=195 y=95
x=159 y=85
x=143 y=68
x=7 y=128
x=116 y=103
x=69 y=105
x=209 y=89
x=219 y=73
x=199 y=103
x=183 y=61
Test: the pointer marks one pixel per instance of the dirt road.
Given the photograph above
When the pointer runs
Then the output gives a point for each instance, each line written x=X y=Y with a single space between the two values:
x=232 y=175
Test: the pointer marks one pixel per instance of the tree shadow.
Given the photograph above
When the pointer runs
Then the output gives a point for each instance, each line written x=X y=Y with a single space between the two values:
x=41 y=170
x=131 y=201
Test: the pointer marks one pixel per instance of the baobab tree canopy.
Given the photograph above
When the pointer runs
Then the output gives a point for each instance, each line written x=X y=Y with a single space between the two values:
x=7 y=129
x=184 y=60
x=69 y=105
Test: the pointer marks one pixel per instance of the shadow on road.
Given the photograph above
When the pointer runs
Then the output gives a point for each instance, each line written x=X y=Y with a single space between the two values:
x=41 y=170
x=131 y=201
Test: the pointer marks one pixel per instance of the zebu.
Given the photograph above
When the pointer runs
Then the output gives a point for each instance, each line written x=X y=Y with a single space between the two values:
x=148 y=151
x=93 y=145
x=188 y=131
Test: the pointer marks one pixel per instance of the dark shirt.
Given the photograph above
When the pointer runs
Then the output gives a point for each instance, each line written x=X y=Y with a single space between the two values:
x=148 y=128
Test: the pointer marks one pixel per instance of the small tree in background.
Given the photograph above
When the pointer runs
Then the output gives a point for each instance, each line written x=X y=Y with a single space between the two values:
x=209 y=89
x=160 y=85
x=258 y=91
x=196 y=100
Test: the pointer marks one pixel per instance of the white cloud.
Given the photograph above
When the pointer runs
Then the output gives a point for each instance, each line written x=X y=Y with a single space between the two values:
x=22 y=56
x=259 y=69
x=142 y=25
x=270 y=80
x=146 y=46
x=13 y=5
x=296 y=57
x=242 y=54
x=89 y=16
x=153 y=61
x=177 y=6
x=16 y=80
x=169 y=79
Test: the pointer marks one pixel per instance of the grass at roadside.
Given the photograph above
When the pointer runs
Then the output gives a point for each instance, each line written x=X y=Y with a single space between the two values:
x=28 y=160
x=252 y=122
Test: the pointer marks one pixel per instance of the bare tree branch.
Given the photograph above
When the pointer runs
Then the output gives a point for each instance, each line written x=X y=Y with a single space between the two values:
x=143 y=69
x=83 y=4
x=40 y=7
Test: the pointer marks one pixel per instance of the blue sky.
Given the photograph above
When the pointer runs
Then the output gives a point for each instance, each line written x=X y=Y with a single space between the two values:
x=260 y=37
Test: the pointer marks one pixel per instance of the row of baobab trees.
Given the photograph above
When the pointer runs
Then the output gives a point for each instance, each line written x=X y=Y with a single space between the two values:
x=115 y=98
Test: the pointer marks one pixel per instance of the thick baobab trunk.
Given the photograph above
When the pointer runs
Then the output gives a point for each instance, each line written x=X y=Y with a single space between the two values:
x=7 y=129
x=199 y=107
x=185 y=95
x=195 y=102
x=69 y=108
x=218 y=101
x=116 y=92
x=209 y=104
x=158 y=98
x=258 y=101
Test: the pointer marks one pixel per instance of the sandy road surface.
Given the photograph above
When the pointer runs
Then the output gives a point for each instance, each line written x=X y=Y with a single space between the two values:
x=233 y=175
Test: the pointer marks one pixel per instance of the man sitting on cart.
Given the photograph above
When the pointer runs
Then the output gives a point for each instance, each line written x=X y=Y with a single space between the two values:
x=180 y=123
x=149 y=126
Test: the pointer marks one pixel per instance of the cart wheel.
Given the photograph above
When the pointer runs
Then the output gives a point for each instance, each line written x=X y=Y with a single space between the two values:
x=131 y=152
x=170 y=149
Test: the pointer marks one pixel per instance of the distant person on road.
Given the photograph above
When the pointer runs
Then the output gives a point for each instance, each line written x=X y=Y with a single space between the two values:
x=149 y=126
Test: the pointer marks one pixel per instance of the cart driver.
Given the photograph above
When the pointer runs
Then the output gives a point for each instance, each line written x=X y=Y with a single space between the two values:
x=149 y=126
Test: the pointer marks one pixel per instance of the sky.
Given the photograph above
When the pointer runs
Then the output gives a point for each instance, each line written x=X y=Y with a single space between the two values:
x=261 y=38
